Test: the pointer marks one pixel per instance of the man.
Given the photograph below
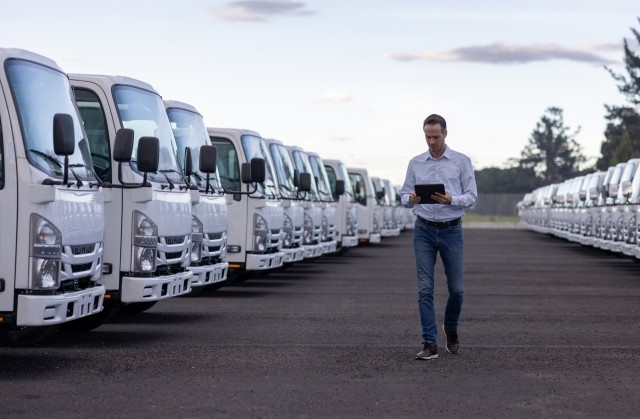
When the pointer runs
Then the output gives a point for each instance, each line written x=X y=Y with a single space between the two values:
x=438 y=229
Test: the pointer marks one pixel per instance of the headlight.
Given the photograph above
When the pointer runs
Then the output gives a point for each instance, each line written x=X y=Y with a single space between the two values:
x=45 y=253
x=197 y=236
x=260 y=233
x=324 y=236
x=287 y=232
x=307 y=229
x=145 y=243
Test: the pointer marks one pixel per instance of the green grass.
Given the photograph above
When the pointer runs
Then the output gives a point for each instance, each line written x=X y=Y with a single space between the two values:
x=491 y=218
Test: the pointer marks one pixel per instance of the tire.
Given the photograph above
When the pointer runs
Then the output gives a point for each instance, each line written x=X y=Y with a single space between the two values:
x=26 y=336
x=137 y=308
x=89 y=323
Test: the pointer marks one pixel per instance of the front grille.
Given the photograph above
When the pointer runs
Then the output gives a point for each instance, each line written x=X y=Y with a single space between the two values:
x=174 y=240
x=82 y=249
x=214 y=249
x=80 y=268
x=173 y=255
x=214 y=236
x=72 y=285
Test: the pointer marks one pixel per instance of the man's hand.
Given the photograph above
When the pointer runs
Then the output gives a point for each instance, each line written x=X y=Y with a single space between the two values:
x=442 y=199
x=413 y=198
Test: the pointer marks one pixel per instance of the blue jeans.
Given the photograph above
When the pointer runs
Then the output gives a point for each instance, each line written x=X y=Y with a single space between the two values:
x=427 y=242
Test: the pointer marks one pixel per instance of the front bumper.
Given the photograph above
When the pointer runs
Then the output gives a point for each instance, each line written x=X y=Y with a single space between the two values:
x=293 y=255
x=349 y=241
x=209 y=274
x=329 y=247
x=312 y=250
x=261 y=262
x=44 y=310
x=136 y=290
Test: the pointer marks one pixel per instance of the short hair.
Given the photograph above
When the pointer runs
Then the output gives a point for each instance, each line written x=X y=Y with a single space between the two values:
x=435 y=119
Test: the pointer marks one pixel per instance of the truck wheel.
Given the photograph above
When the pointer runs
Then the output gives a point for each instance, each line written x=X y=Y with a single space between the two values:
x=89 y=323
x=137 y=308
x=26 y=336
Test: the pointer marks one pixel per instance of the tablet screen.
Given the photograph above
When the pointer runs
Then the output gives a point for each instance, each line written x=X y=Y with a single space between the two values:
x=425 y=191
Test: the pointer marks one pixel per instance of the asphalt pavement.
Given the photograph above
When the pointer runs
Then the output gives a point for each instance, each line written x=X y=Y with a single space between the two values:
x=548 y=329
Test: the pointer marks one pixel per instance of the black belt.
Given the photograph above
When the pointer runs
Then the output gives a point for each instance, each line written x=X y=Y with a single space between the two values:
x=441 y=224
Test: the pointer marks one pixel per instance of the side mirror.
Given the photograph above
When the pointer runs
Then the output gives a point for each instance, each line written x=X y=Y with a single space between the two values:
x=380 y=194
x=339 y=187
x=208 y=159
x=188 y=162
x=358 y=188
x=398 y=199
x=258 y=170
x=63 y=134
x=593 y=193
x=123 y=145
x=148 y=154
x=304 y=182
x=612 y=190
x=626 y=188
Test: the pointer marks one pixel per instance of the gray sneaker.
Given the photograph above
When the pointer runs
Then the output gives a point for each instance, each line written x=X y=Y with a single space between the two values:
x=453 y=344
x=430 y=351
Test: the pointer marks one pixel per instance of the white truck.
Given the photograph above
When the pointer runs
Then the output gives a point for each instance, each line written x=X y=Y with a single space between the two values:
x=52 y=206
x=148 y=219
x=347 y=217
x=369 y=215
x=312 y=209
x=328 y=204
x=255 y=228
x=288 y=179
x=209 y=209
x=389 y=228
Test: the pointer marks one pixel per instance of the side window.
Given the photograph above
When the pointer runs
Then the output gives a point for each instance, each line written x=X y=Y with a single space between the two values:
x=331 y=174
x=95 y=125
x=228 y=166
x=1 y=158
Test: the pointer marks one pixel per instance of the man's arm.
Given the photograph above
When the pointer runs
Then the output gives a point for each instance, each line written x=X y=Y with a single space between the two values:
x=469 y=196
x=408 y=187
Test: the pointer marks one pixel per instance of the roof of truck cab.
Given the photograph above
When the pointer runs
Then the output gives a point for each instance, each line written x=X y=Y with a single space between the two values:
x=108 y=81
x=23 y=54
x=168 y=104
x=232 y=131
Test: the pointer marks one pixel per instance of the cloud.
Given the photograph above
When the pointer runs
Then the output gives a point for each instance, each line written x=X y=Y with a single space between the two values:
x=260 y=10
x=334 y=95
x=502 y=53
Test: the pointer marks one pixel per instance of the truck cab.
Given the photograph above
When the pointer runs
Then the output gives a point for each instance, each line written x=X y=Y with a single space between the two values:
x=346 y=215
x=288 y=179
x=209 y=209
x=313 y=217
x=368 y=210
x=328 y=204
x=148 y=217
x=257 y=217
x=52 y=203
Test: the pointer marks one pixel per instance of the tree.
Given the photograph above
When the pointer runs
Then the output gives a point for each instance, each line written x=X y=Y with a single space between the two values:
x=622 y=135
x=508 y=180
x=552 y=152
x=629 y=85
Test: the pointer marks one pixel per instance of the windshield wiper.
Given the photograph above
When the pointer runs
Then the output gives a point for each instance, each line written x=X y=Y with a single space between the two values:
x=164 y=173
x=52 y=159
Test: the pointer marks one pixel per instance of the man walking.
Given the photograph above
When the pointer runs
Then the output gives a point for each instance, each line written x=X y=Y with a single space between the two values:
x=439 y=229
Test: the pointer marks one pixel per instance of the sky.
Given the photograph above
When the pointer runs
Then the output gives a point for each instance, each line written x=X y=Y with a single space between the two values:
x=353 y=80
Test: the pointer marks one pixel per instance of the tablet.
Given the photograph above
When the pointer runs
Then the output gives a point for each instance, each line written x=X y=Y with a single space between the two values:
x=425 y=191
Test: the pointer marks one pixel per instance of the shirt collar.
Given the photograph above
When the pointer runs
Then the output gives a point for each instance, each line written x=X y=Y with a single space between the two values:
x=447 y=154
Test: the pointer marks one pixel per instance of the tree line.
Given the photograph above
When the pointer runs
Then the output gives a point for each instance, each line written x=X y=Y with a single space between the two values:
x=552 y=153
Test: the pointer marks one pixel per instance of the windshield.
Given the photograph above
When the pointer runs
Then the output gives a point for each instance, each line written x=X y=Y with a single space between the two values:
x=189 y=131
x=284 y=169
x=39 y=93
x=254 y=147
x=317 y=166
x=301 y=162
x=144 y=112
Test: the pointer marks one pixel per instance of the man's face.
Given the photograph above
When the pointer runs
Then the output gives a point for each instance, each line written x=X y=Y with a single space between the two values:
x=435 y=138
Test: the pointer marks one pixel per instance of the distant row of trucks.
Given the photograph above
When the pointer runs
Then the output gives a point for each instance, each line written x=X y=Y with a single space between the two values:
x=599 y=209
x=115 y=199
